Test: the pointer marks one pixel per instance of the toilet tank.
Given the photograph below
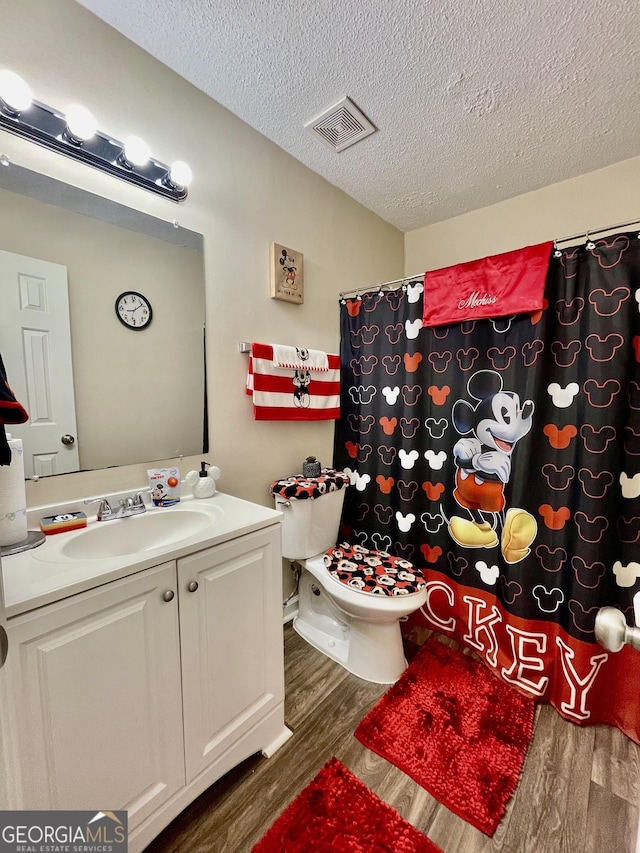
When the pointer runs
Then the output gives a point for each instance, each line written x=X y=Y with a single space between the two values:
x=310 y=526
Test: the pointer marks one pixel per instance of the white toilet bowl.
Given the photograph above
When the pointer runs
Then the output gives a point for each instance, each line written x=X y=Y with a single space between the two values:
x=358 y=629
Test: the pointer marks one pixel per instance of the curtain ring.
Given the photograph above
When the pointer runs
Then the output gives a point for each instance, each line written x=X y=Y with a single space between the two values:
x=590 y=244
x=557 y=253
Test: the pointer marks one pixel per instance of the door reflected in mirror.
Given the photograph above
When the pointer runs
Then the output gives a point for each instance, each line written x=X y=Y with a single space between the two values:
x=139 y=388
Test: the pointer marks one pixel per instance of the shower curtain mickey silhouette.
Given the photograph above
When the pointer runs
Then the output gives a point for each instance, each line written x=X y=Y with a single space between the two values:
x=502 y=457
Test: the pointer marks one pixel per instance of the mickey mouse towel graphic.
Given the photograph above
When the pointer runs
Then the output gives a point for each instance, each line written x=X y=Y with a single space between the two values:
x=491 y=427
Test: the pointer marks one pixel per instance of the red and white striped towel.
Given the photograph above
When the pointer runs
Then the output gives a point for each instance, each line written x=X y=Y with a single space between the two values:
x=285 y=394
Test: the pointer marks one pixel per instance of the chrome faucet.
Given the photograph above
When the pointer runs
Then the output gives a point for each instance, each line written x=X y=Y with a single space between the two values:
x=127 y=507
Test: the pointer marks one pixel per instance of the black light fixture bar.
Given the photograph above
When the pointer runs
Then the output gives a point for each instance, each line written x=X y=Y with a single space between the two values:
x=47 y=127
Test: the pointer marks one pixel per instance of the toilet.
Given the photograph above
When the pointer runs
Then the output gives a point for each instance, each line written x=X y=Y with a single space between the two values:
x=351 y=599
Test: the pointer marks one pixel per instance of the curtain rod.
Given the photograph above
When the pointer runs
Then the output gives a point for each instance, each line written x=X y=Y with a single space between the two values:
x=418 y=277
x=583 y=235
x=590 y=232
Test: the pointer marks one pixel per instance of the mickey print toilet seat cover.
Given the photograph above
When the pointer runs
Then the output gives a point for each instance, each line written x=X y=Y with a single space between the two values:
x=376 y=572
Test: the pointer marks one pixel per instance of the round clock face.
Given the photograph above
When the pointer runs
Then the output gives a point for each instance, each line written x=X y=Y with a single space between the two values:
x=134 y=310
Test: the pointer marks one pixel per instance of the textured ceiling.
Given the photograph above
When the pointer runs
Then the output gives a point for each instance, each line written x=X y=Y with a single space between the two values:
x=475 y=101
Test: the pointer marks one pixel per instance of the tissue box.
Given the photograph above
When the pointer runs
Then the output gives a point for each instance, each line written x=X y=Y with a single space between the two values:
x=60 y=523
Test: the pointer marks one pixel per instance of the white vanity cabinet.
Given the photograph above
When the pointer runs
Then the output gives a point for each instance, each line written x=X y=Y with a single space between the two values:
x=140 y=693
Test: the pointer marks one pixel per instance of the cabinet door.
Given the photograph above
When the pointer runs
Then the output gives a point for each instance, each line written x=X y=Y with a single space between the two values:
x=94 y=695
x=231 y=634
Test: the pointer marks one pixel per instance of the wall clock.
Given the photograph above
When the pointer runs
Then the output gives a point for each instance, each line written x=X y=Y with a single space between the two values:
x=134 y=310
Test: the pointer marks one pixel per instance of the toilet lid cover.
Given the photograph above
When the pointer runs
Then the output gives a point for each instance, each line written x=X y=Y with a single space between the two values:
x=373 y=571
x=305 y=488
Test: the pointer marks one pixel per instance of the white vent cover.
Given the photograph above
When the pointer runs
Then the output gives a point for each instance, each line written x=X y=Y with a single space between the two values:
x=341 y=126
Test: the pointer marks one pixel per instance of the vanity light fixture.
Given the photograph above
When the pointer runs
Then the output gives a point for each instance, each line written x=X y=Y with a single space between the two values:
x=74 y=133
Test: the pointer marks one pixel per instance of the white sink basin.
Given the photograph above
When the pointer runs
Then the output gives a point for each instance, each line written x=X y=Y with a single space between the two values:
x=146 y=532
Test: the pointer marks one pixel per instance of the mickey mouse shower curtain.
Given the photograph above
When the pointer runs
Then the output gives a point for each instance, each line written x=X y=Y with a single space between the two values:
x=502 y=457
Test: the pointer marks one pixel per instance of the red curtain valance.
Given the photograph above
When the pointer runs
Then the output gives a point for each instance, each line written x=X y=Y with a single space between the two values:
x=497 y=286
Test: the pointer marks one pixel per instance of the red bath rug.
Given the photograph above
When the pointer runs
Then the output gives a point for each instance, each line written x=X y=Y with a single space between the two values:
x=455 y=729
x=336 y=812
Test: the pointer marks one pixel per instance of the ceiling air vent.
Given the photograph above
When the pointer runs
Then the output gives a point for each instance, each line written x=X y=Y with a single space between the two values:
x=341 y=126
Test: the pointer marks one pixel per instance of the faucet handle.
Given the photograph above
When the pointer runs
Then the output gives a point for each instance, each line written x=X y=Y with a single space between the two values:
x=138 y=500
x=104 y=510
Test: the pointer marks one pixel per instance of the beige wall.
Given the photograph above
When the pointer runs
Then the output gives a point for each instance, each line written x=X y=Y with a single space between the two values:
x=246 y=193
x=597 y=199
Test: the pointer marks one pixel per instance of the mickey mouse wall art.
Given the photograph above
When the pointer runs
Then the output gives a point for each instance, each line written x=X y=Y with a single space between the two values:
x=287 y=278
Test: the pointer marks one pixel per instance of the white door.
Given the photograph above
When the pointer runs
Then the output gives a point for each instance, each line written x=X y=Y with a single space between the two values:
x=35 y=344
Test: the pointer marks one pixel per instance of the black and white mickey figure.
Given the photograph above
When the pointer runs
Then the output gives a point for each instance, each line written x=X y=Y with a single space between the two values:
x=301 y=379
x=483 y=466
x=289 y=270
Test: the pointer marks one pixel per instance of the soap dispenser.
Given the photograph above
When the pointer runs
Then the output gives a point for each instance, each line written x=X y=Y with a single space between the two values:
x=203 y=482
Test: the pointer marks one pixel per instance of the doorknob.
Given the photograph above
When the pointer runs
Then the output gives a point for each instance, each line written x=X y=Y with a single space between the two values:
x=68 y=439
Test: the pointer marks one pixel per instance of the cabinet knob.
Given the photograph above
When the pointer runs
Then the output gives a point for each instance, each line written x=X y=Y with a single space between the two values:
x=168 y=595
x=193 y=586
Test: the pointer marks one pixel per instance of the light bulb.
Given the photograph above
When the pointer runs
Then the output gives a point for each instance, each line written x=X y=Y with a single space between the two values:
x=136 y=151
x=180 y=174
x=80 y=123
x=15 y=93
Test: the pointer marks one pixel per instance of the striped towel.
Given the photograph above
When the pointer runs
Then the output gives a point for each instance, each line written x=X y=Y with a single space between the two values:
x=311 y=359
x=288 y=394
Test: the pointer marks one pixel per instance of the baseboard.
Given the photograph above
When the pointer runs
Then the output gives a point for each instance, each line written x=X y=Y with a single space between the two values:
x=290 y=610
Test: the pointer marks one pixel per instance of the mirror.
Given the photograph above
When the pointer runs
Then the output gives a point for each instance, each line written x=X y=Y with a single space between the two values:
x=139 y=393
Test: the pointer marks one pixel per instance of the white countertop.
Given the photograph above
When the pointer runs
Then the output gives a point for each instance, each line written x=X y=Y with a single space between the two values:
x=43 y=575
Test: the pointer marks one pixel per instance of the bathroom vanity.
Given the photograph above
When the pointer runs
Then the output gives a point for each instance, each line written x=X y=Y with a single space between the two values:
x=145 y=660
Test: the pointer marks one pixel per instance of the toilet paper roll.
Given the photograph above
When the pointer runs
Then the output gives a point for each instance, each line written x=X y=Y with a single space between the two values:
x=13 y=499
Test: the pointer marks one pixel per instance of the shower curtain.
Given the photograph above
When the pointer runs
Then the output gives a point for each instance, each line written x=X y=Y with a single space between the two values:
x=502 y=457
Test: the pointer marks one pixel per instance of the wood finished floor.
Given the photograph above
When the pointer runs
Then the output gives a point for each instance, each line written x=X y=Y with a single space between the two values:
x=579 y=792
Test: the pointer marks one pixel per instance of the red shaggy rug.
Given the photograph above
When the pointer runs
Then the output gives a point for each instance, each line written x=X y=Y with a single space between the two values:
x=337 y=813
x=456 y=729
